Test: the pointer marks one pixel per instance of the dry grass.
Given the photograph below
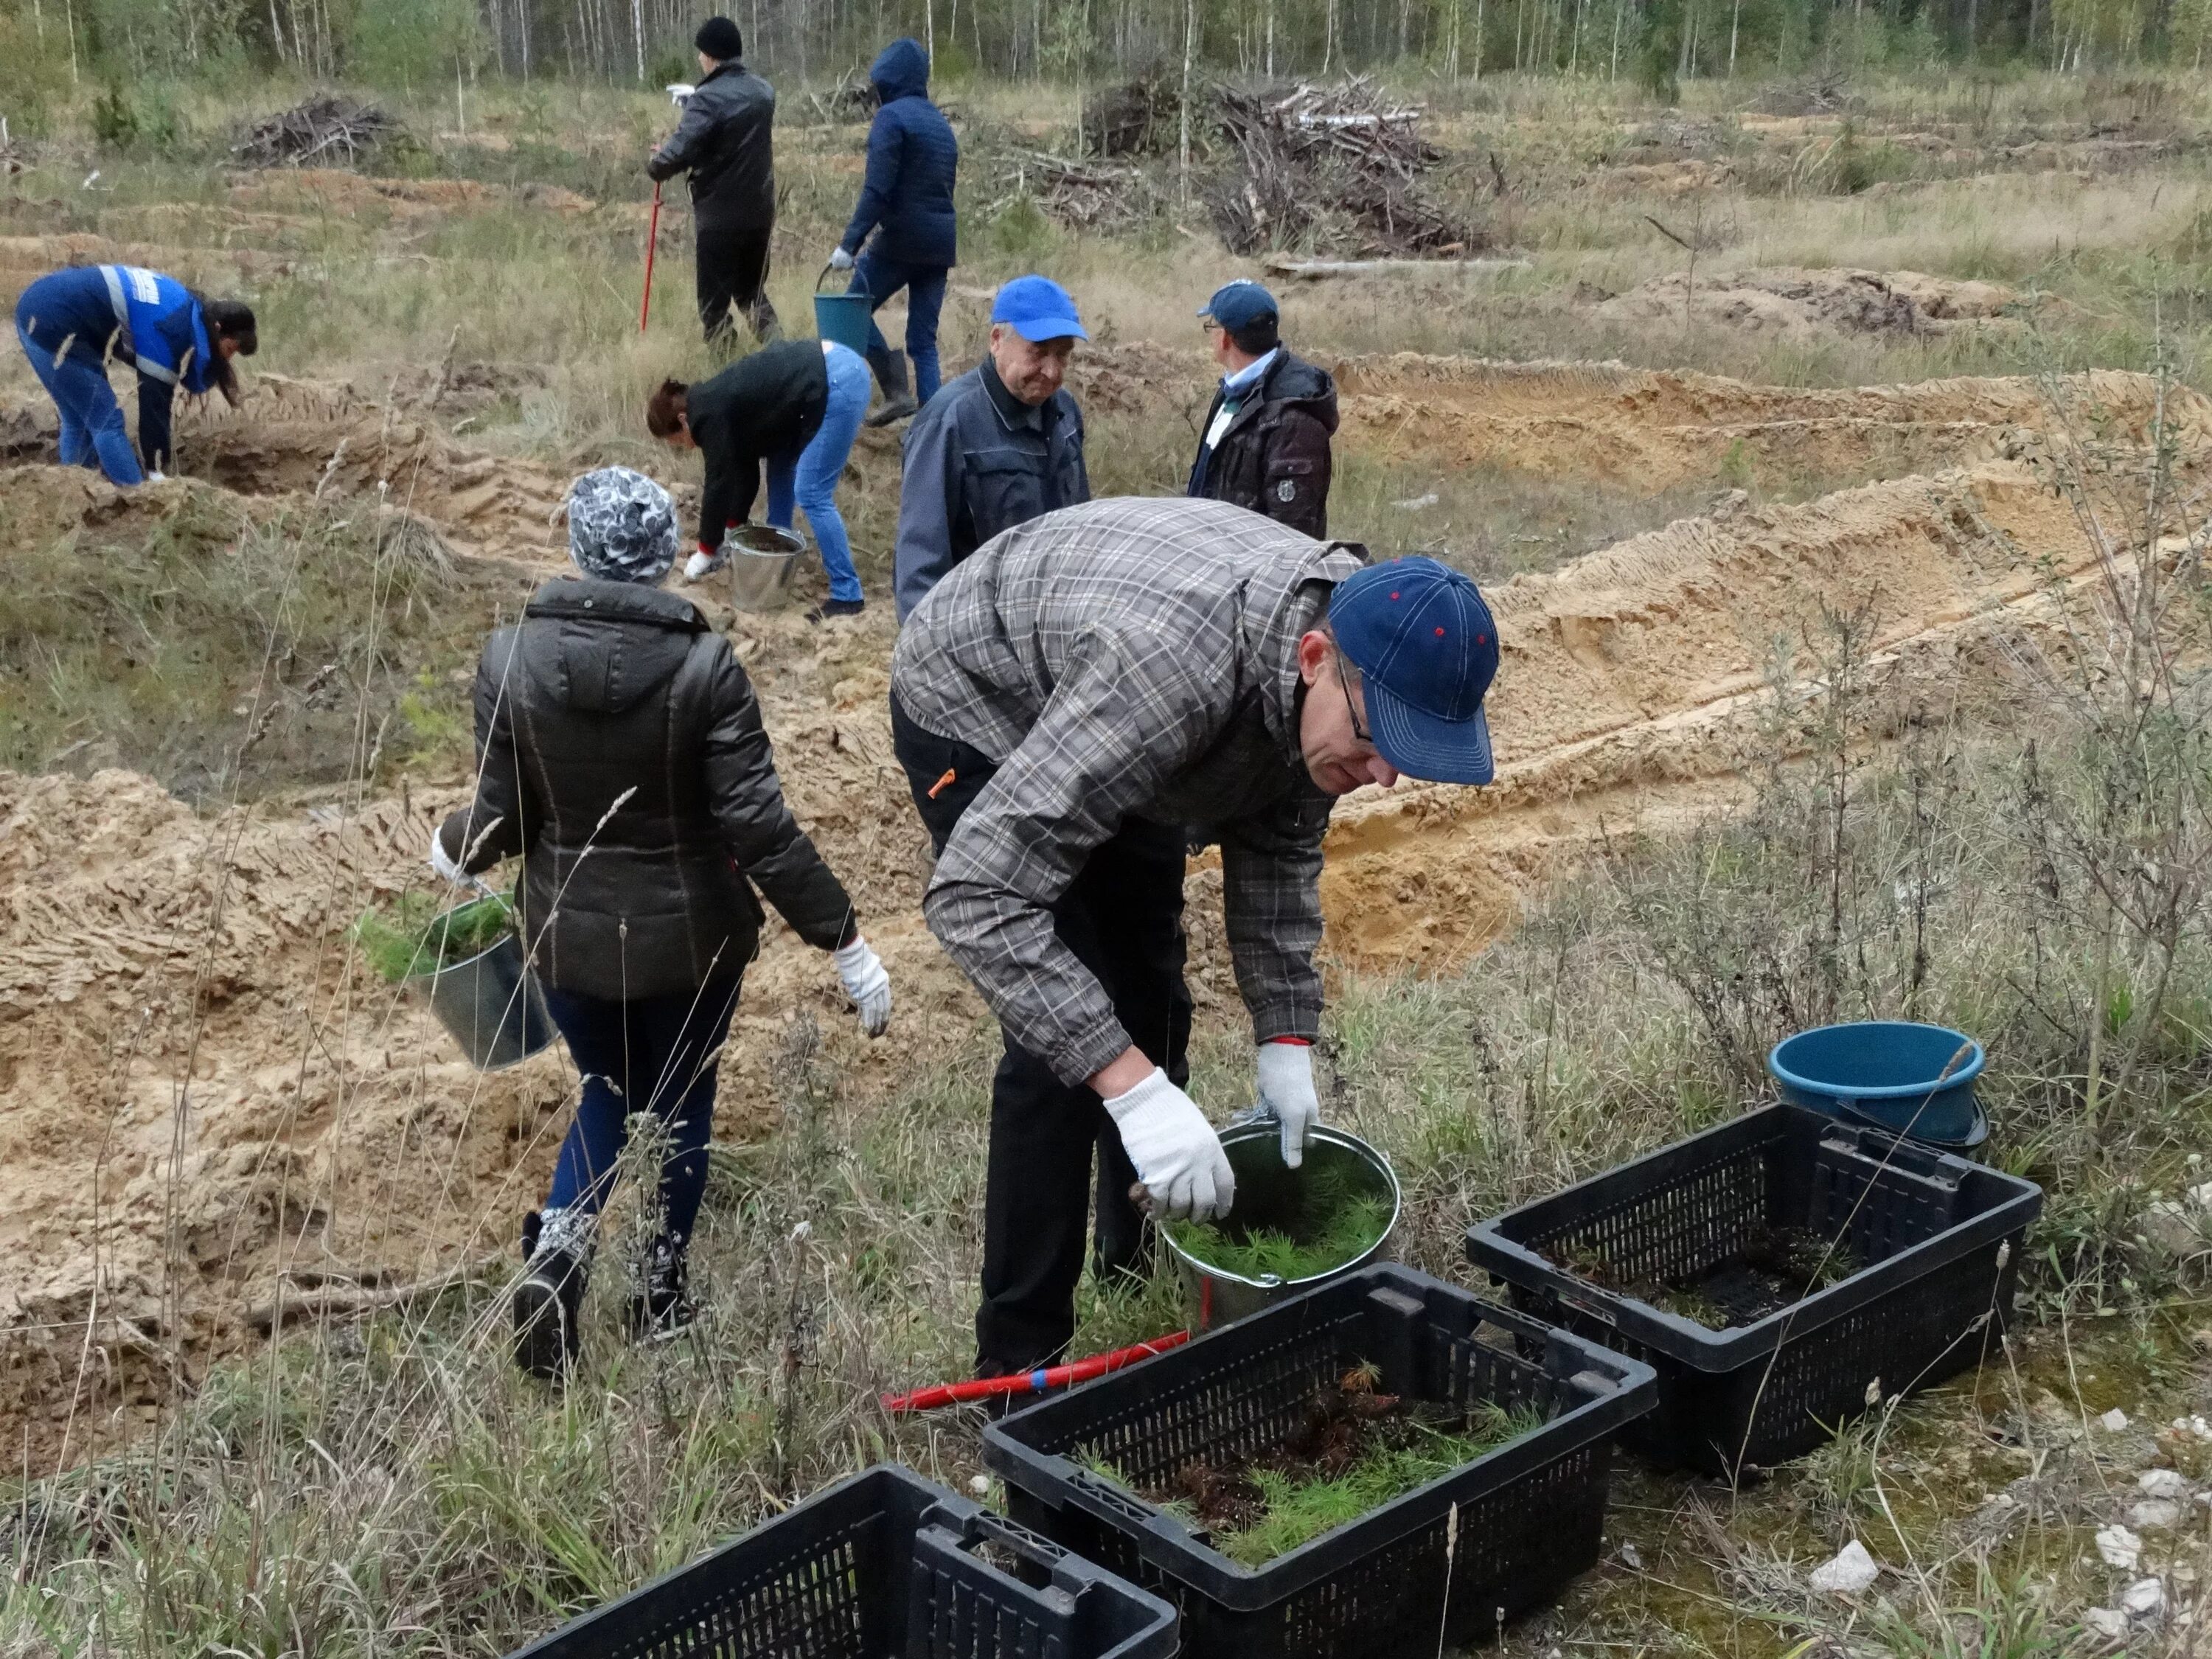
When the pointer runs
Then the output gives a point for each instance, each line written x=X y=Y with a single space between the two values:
x=2037 y=879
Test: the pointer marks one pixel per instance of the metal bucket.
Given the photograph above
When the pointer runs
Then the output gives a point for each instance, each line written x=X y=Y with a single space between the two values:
x=761 y=558
x=491 y=1004
x=1268 y=1196
x=842 y=319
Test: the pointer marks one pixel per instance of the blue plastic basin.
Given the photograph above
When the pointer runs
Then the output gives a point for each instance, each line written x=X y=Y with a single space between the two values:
x=1889 y=1072
x=843 y=318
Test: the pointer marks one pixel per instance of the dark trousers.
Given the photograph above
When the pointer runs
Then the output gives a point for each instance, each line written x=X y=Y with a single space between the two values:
x=1122 y=916
x=655 y=1054
x=880 y=278
x=733 y=278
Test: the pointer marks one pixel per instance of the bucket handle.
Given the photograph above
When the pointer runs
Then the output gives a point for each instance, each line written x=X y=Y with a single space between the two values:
x=826 y=269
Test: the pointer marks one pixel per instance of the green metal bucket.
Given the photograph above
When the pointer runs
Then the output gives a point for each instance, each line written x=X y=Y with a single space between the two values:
x=842 y=317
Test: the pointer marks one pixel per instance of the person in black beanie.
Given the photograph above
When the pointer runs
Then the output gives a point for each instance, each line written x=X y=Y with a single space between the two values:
x=725 y=143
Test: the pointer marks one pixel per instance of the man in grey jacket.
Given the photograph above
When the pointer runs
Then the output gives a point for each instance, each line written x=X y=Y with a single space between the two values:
x=725 y=142
x=997 y=447
x=1080 y=686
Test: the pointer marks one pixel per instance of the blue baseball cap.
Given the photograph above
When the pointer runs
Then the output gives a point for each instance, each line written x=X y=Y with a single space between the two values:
x=1239 y=305
x=1038 y=309
x=1426 y=650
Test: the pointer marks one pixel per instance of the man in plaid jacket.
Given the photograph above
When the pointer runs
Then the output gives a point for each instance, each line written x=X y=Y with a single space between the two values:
x=1077 y=696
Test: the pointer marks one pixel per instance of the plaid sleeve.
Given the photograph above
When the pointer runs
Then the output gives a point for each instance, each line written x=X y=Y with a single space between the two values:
x=1127 y=713
x=1271 y=903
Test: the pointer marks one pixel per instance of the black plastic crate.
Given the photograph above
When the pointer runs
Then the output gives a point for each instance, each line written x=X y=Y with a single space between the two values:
x=1528 y=1516
x=884 y=1565
x=1940 y=1238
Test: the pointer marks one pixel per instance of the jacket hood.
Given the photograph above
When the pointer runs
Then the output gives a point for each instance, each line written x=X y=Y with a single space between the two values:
x=598 y=646
x=1295 y=380
x=901 y=71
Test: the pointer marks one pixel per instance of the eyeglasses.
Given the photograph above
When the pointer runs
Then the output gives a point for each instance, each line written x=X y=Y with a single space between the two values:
x=1344 y=674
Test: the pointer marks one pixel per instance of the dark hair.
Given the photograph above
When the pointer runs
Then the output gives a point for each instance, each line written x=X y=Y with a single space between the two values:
x=1259 y=336
x=233 y=320
x=719 y=38
x=666 y=409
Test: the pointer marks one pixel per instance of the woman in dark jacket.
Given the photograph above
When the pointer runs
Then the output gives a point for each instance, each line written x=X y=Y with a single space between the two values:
x=620 y=753
x=794 y=408
x=906 y=200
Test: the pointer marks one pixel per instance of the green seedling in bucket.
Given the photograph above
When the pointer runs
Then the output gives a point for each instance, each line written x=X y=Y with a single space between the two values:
x=1337 y=1223
x=418 y=933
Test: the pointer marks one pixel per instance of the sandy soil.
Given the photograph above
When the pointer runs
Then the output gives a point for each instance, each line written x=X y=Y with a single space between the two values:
x=209 y=1107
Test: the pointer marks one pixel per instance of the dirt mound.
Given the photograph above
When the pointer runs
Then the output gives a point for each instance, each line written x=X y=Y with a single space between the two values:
x=1790 y=303
x=25 y=258
x=333 y=190
x=1643 y=427
x=1636 y=681
x=1138 y=377
x=308 y=438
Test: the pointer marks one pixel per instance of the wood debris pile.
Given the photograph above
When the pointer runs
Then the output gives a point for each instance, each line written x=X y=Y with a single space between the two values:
x=325 y=130
x=850 y=98
x=1082 y=195
x=1142 y=117
x=1330 y=170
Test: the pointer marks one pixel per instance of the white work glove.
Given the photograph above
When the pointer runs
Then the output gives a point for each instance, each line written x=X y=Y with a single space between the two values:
x=441 y=863
x=703 y=563
x=840 y=260
x=1179 y=1159
x=1286 y=1094
x=867 y=983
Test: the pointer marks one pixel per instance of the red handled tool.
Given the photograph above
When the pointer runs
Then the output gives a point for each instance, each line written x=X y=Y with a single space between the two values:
x=651 y=247
x=1041 y=1381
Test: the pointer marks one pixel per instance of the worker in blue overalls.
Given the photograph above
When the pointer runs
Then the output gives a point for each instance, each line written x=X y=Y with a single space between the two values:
x=71 y=324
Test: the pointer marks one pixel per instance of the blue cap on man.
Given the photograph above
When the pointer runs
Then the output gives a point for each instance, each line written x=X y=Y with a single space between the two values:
x=1239 y=305
x=1038 y=309
x=1426 y=649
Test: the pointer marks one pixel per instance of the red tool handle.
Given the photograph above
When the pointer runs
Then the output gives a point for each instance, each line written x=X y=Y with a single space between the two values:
x=651 y=247
x=1037 y=1381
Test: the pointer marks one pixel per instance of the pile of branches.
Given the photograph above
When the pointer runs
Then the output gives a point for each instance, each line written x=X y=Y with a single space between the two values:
x=1330 y=170
x=851 y=99
x=326 y=130
x=1141 y=117
x=1086 y=196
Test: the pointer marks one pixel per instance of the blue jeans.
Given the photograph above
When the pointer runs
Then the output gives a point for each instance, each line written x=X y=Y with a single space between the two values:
x=812 y=475
x=879 y=278
x=649 y=1054
x=92 y=421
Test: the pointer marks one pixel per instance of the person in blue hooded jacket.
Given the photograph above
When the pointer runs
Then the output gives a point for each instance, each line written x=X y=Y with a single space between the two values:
x=71 y=323
x=906 y=200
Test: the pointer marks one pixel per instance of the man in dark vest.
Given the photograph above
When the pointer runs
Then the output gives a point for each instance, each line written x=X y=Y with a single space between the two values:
x=725 y=143
x=1265 y=445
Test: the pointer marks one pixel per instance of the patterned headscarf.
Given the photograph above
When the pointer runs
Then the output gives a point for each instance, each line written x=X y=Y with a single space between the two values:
x=621 y=527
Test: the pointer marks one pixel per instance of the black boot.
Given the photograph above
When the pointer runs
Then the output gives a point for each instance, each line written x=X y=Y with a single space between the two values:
x=556 y=1258
x=661 y=1306
x=898 y=388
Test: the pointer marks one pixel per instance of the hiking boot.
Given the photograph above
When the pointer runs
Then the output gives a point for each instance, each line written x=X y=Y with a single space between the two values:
x=661 y=1306
x=829 y=608
x=898 y=389
x=549 y=1299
